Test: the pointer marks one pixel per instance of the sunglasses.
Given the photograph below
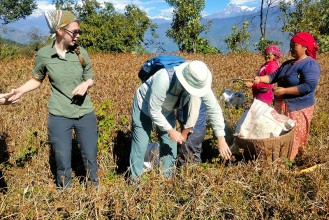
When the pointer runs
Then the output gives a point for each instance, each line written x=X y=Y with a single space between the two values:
x=74 y=33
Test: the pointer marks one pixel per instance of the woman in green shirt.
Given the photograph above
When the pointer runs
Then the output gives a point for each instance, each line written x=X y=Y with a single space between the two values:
x=69 y=71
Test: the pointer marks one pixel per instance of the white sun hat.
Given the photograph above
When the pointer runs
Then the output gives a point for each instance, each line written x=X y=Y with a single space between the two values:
x=195 y=77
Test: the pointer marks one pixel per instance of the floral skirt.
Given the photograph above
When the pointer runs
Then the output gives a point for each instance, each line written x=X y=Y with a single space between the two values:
x=302 y=119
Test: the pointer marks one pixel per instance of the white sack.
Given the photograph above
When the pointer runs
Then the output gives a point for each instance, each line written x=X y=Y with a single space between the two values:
x=262 y=121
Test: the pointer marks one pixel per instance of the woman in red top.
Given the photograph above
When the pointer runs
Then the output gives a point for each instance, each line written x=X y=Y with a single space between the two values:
x=263 y=91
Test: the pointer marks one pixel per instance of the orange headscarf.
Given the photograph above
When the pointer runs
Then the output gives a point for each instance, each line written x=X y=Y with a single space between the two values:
x=306 y=39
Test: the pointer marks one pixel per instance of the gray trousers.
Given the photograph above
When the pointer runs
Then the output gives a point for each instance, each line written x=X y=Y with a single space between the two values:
x=60 y=135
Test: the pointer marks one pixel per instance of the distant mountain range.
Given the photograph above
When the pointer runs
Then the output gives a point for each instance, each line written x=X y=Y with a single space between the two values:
x=21 y=30
x=222 y=23
x=221 y=27
x=232 y=10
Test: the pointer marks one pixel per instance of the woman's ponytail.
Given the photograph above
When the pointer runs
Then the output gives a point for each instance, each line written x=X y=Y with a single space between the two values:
x=81 y=59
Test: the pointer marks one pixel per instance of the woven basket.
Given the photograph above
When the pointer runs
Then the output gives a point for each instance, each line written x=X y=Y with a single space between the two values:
x=267 y=149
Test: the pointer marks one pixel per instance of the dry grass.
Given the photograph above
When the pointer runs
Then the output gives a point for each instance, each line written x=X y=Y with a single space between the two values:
x=212 y=190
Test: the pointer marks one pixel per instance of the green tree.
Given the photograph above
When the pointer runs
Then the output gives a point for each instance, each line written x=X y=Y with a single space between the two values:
x=137 y=24
x=265 y=9
x=38 y=40
x=307 y=16
x=238 y=41
x=266 y=6
x=88 y=9
x=12 y=10
x=106 y=30
x=8 y=49
x=64 y=4
x=186 y=27
x=263 y=43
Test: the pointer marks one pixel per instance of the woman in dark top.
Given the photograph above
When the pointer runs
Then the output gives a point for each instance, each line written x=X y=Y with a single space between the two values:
x=296 y=83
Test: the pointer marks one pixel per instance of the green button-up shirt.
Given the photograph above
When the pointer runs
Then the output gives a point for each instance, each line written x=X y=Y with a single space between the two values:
x=64 y=74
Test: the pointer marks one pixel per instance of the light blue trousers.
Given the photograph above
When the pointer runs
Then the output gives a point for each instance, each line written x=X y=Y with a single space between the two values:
x=141 y=130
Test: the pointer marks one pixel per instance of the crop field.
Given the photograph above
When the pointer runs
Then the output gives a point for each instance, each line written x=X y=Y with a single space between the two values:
x=214 y=189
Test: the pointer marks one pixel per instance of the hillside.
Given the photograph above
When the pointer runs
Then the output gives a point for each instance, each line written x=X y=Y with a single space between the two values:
x=222 y=27
x=20 y=31
x=212 y=190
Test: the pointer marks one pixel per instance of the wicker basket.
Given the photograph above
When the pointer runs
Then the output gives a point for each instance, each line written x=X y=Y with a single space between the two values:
x=267 y=149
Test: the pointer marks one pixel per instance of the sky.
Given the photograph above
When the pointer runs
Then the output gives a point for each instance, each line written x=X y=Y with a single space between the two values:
x=155 y=8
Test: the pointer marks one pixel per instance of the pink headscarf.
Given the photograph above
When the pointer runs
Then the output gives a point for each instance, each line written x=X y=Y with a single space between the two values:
x=275 y=50
x=305 y=39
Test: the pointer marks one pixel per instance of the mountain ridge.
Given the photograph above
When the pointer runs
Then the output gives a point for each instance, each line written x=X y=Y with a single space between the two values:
x=222 y=27
x=222 y=23
x=232 y=10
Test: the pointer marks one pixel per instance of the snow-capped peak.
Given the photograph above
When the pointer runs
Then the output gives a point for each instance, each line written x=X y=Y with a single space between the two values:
x=232 y=10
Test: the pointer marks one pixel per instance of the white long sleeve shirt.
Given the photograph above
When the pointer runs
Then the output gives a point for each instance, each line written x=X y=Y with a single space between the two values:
x=156 y=101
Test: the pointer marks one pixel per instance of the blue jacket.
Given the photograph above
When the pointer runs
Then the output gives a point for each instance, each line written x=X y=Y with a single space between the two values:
x=201 y=121
x=305 y=75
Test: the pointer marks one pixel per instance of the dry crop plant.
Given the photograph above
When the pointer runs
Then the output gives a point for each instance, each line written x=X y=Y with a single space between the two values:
x=211 y=190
